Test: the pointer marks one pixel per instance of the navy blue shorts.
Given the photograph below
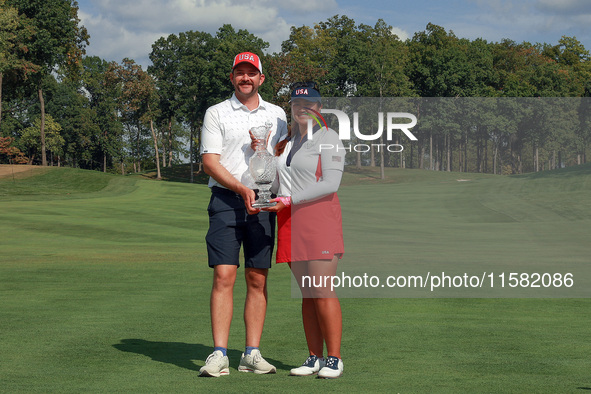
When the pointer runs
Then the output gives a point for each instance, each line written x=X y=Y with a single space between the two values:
x=231 y=227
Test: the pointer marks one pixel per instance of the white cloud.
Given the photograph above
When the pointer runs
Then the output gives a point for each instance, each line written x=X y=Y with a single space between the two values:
x=275 y=35
x=308 y=7
x=112 y=41
x=174 y=14
x=122 y=28
x=402 y=34
x=543 y=21
x=125 y=28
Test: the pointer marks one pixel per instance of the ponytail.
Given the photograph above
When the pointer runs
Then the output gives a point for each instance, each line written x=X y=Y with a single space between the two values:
x=280 y=147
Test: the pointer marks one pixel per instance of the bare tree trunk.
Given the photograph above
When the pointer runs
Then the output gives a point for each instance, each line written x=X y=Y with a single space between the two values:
x=495 y=159
x=431 y=164
x=1 y=76
x=478 y=154
x=400 y=156
x=441 y=150
x=411 y=156
x=382 y=171
x=465 y=166
x=486 y=155
x=158 y=175
x=42 y=103
x=136 y=167
x=163 y=150
x=448 y=138
x=170 y=143
x=191 y=154
x=422 y=156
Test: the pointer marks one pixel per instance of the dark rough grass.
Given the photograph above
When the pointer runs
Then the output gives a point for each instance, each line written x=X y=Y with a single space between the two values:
x=106 y=289
x=54 y=181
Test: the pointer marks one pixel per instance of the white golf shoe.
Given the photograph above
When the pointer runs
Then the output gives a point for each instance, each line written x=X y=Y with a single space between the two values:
x=311 y=366
x=332 y=369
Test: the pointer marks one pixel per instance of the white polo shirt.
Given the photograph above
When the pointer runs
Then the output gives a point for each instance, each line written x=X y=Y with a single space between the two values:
x=225 y=132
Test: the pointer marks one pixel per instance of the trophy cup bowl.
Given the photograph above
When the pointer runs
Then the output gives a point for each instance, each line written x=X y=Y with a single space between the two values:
x=262 y=166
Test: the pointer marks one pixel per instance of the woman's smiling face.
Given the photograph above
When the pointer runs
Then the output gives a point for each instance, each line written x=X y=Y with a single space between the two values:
x=300 y=111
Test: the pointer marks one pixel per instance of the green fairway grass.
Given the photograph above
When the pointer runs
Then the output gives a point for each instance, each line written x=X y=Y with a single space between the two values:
x=104 y=286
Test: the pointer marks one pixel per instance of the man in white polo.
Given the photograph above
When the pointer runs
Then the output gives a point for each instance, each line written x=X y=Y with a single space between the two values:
x=233 y=222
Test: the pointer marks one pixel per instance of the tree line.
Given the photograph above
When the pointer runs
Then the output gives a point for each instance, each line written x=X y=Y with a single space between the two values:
x=61 y=107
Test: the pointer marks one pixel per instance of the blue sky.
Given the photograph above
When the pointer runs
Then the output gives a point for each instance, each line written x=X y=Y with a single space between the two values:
x=125 y=28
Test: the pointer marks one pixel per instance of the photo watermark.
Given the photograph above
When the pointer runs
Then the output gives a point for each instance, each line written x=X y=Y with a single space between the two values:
x=470 y=240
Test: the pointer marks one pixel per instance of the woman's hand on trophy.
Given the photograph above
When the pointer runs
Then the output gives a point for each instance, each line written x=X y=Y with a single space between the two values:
x=282 y=202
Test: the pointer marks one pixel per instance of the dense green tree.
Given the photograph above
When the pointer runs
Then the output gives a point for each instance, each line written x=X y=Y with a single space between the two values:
x=138 y=100
x=54 y=140
x=182 y=69
x=81 y=126
x=438 y=64
x=439 y=67
x=381 y=77
x=95 y=101
x=102 y=98
x=15 y=31
x=165 y=57
x=59 y=40
x=307 y=54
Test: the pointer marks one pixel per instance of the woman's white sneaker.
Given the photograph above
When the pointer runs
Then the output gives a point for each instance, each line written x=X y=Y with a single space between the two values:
x=332 y=369
x=311 y=366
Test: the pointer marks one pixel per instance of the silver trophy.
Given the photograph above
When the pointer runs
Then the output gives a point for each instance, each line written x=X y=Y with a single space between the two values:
x=262 y=166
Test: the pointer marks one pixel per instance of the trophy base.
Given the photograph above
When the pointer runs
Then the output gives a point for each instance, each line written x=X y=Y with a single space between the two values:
x=263 y=204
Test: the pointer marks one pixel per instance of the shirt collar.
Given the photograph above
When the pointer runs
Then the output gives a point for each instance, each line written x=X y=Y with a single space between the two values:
x=315 y=128
x=236 y=104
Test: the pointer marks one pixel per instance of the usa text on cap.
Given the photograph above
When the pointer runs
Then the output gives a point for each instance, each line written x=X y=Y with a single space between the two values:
x=248 y=57
x=305 y=90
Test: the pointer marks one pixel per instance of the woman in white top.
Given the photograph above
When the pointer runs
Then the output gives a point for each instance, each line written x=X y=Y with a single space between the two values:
x=310 y=234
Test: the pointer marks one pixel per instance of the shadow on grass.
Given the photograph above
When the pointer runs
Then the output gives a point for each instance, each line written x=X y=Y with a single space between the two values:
x=180 y=354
